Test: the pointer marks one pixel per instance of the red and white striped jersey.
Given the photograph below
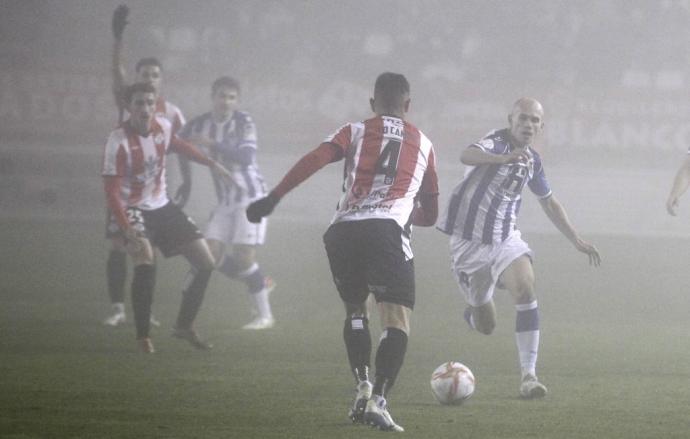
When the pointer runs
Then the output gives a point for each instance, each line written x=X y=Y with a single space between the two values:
x=387 y=162
x=140 y=162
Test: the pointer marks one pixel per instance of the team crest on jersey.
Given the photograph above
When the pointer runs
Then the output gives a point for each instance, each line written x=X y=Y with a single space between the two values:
x=159 y=138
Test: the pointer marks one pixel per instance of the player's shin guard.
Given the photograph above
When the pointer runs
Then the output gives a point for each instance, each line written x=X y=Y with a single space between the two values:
x=143 y=284
x=116 y=274
x=389 y=359
x=358 y=344
x=192 y=297
x=229 y=267
x=527 y=336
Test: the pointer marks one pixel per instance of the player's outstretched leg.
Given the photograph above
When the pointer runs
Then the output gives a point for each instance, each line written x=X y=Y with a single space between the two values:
x=389 y=360
x=358 y=344
x=527 y=339
x=116 y=275
x=143 y=285
x=192 y=297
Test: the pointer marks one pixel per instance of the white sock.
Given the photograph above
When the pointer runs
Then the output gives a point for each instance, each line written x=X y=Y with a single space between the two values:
x=119 y=308
x=261 y=304
x=527 y=336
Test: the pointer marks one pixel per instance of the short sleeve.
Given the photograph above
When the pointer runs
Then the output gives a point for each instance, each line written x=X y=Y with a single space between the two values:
x=114 y=157
x=341 y=138
x=538 y=183
x=249 y=134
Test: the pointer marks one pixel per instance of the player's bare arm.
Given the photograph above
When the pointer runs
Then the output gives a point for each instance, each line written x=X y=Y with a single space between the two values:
x=558 y=216
x=473 y=156
x=306 y=167
x=119 y=22
x=680 y=184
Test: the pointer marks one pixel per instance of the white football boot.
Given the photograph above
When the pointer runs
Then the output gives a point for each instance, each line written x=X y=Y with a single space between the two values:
x=531 y=388
x=117 y=317
x=263 y=319
x=376 y=414
x=356 y=414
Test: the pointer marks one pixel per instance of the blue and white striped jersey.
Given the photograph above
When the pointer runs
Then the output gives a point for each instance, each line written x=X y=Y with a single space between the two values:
x=235 y=145
x=484 y=206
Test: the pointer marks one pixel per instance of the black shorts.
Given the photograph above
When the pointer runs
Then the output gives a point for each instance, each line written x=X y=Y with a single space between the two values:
x=367 y=257
x=167 y=227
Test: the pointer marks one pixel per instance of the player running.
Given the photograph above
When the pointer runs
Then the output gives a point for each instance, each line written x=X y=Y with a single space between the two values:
x=229 y=136
x=390 y=184
x=148 y=71
x=486 y=248
x=134 y=167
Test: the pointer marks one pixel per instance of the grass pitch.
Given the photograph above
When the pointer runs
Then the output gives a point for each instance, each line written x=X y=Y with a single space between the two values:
x=615 y=352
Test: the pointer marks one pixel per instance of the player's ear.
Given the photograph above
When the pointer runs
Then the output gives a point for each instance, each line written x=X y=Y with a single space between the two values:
x=371 y=104
x=407 y=105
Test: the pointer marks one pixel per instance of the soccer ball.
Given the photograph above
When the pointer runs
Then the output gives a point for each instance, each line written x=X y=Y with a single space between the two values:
x=452 y=383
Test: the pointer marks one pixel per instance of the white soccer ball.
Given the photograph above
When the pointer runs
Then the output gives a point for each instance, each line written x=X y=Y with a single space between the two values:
x=452 y=383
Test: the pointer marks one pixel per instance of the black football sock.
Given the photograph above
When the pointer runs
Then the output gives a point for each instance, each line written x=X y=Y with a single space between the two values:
x=389 y=359
x=116 y=273
x=358 y=345
x=192 y=297
x=143 y=284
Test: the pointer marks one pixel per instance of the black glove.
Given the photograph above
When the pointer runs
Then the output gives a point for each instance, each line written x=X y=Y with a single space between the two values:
x=261 y=208
x=120 y=21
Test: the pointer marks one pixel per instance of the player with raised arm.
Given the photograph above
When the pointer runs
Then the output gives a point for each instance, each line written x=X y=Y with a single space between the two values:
x=134 y=167
x=229 y=135
x=149 y=71
x=486 y=248
x=390 y=184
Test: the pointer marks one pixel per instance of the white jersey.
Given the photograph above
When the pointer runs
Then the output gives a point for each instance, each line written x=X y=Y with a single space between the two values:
x=140 y=161
x=485 y=205
x=235 y=146
x=387 y=160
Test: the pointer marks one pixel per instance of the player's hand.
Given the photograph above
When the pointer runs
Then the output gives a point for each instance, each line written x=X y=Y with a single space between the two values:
x=517 y=155
x=134 y=239
x=261 y=208
x=120 y=21
x=589 y=250
x=672 y=205
x=182 y=193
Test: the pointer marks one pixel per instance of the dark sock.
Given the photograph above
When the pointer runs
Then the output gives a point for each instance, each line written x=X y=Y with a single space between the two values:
x=389 y=359
x=358 y=344
x=192 y=298
x=116 y=273
x=254 y=281
x=143 y=284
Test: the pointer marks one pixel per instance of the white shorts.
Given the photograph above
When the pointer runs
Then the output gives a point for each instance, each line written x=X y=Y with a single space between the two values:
x=229 y=225
x=477 y=266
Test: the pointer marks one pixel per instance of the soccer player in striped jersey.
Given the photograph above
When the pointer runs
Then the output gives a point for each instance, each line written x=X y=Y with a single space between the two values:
x=229 y=135
x=390 y=184
x=486 y=248
x=149 y=71
x=134 y=166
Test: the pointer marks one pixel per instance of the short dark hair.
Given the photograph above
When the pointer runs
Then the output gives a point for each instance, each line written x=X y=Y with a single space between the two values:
x=137 y=87
x=150 y=61
x=225 y=81
x=391 y=89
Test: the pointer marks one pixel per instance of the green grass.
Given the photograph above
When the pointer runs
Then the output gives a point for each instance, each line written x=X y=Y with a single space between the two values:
x=615 y=352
